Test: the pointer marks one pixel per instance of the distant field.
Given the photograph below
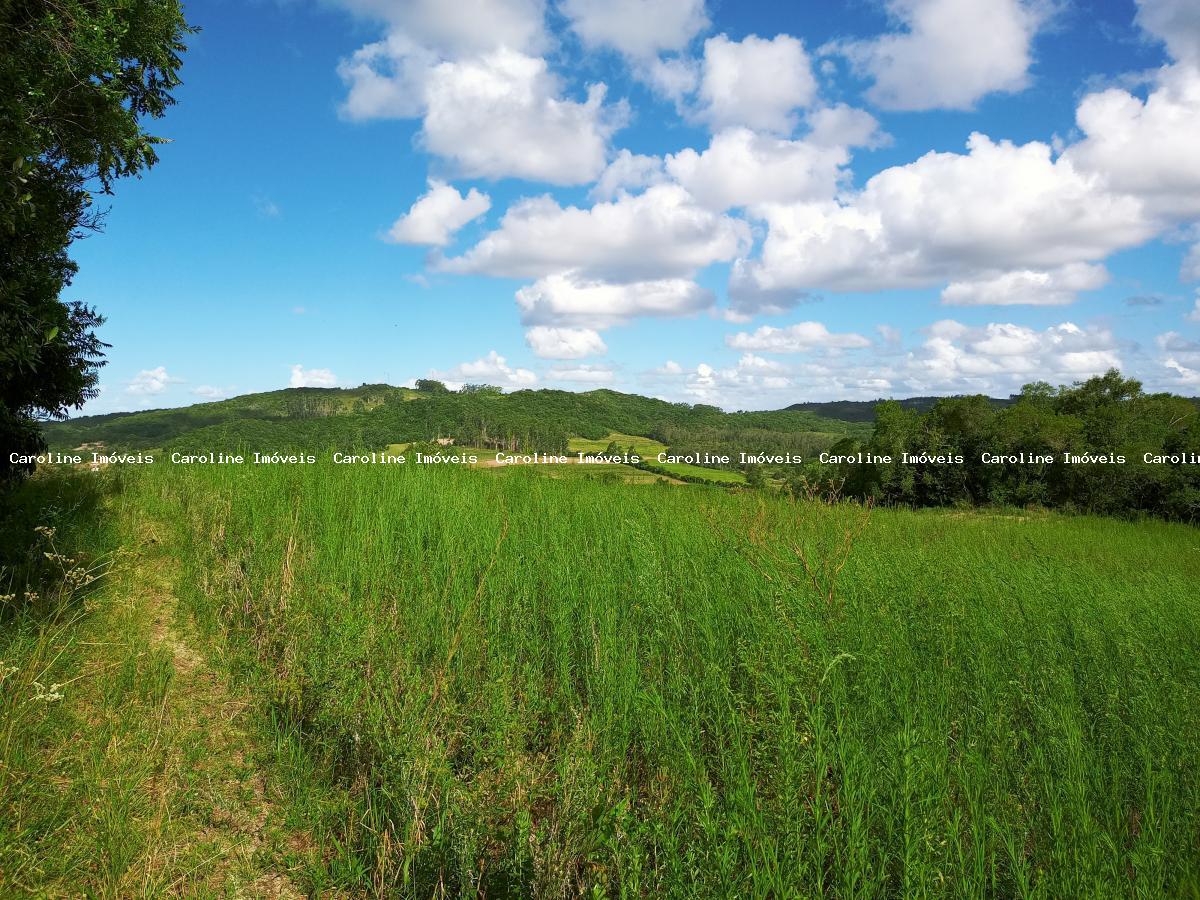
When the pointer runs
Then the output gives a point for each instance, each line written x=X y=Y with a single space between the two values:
x=500 y=682
x=616 y=471
x=720 y=476
x=649 y=449
x=644 y=446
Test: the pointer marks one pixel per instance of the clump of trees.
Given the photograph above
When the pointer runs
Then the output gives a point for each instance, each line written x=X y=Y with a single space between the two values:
x=1108 y=417
x=77 y=80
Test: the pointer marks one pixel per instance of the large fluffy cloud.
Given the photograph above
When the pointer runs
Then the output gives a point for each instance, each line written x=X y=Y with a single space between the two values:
x=1146 y=148
x=752 y=383
x=387 y=78
x=952 y=357
x=950 y=53
x=1057 y=287
x=1004 y=223
x=501 y=115
x=461 y=27
x=149 y=382
x=755 y=82
x=798 y=338
x=628 y=172
x=743 y=168
x=569 y=299
x=302 y=377
x=1176 y=23
x=564 y=343
x=490 y=105
x=438 y=214
x=490 y=369
x=1002 y=356
x=998 y=208
x=639 y=29
x=661 y=233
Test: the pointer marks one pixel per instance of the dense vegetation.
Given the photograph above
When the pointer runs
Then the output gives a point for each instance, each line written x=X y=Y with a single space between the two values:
x=374 y=416
x=864 y=410
x=1108 y=417
x=494 y=681
x=77 y=80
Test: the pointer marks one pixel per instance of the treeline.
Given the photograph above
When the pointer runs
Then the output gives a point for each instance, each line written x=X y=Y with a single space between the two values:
x=373 y=416
x=732 y=441
x=1106 y=418
x=864 y=410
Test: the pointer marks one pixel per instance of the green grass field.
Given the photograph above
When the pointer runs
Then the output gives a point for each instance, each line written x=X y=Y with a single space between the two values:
x=489 y=681
x=716 y=476
x=646 y=447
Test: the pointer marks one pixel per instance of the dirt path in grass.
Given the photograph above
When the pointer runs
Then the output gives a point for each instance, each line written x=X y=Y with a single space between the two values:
x=215 y=827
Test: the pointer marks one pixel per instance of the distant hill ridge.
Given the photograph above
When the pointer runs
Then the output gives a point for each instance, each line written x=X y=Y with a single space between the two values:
x=864 y=410
x=376 y=415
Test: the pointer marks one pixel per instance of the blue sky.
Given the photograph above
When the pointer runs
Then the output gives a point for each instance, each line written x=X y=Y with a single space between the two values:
x=748 y=204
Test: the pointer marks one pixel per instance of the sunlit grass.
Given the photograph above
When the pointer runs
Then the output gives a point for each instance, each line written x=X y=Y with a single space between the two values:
x=529 y=685
x=646 y=447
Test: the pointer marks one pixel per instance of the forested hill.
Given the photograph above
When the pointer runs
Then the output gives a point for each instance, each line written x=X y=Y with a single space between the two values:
x=864 y=410
x=373 y=416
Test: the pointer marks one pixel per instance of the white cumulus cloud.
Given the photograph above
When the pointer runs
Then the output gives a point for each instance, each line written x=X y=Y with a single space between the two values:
x=639 y=29
x=502 y=115
x=798 y=338
x=950 y=53
x=150 y=381
x=1003 y=223
x=660 y=233
x=1001 y=357
x=489 y=103
x=743 y=168
x=1145 y=148
x=755 y=82
x=947 y=217
x=564 y=343
x=461 y=27
x=490 y=369
x=1176 y=23
x=437 y=214
x=570 y=299
x=627 y=173
x=302 y=377
x=1057 y=287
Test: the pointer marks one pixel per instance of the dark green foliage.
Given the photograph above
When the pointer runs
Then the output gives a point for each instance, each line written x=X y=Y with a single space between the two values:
x=315 y=419
x=1104 y=416
x=76 y=80
x=864 y=410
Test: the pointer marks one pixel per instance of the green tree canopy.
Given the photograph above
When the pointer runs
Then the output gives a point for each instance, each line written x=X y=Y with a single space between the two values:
x=77 y=80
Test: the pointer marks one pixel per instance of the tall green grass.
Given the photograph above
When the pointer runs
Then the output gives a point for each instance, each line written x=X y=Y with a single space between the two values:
x=527 y=686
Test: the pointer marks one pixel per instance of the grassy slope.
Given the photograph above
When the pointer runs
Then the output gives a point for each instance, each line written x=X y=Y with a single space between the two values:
x=156 y=427
x=498 y=680
x=127 y=766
